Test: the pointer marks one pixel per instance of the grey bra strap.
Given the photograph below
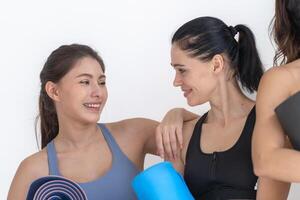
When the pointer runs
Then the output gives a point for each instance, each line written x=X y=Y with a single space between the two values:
x=52 y=159
x=116 y=151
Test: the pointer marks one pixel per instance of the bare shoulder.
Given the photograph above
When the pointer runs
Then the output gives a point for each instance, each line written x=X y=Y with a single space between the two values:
x=35 y=165
x=275 y=86
x=277 y=76
x=133 y=134
x=30 y=169
x=133 y=126
x=294 y=69
x=295 y=65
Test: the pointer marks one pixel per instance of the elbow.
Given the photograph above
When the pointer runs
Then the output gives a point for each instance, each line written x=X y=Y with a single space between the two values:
x=259 y=170
x=260 y=165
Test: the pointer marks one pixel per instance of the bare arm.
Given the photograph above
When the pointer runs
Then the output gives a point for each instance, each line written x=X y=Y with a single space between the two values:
x=271 y=189
x=271 y=157
x=30 y=169
x=149 y=127
x=140 y=131
x=169 y=137
x=20 y=184
x=154 y=135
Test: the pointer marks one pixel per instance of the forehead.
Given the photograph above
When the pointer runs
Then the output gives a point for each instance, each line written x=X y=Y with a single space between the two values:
x=182 y=58
x=86 y=65
x=178 y=53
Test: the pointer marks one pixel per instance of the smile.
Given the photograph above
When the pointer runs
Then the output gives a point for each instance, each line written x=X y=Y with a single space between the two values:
x=186 y=92
x=92 y=105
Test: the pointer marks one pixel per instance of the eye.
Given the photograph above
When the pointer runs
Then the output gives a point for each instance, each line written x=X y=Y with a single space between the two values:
x=85 y=82
x=181 y=71
x=101 y=82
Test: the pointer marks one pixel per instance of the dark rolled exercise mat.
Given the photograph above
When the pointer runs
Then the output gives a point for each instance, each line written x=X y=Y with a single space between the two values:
x=55 y=188
x=288 y=113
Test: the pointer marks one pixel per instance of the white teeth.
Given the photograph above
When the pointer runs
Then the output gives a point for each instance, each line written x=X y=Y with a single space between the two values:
x=92 y=105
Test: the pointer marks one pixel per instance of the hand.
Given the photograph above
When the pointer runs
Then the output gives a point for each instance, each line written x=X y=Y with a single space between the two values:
x=168 y=134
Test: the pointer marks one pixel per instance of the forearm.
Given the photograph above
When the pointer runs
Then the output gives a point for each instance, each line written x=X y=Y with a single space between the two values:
x=271 y=189
x=280 y=164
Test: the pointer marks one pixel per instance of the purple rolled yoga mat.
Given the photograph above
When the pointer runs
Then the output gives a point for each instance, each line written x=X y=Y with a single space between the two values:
x=55 y=188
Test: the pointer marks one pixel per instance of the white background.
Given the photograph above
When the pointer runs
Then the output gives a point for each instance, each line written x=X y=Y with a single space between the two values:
x=132 y=36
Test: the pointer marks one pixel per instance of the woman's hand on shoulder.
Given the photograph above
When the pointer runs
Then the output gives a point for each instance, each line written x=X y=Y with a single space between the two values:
x=169 y=133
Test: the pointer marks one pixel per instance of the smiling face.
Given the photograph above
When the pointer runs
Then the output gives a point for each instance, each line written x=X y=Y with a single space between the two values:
x=81 y=94
x=196 y=78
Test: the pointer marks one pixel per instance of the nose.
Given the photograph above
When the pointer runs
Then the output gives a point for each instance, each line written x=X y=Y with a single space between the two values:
x=97 y=91
x=177 y=81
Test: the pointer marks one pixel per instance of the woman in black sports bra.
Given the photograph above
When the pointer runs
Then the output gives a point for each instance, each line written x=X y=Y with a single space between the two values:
x=211 y=60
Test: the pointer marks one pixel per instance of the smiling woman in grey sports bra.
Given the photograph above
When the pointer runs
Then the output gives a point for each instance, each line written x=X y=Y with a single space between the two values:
x=102 y=158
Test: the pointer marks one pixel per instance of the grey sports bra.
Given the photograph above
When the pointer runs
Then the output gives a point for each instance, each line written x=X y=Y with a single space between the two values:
x=115 y=184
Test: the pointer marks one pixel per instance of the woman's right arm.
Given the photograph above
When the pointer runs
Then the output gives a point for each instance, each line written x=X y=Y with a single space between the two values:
x=187 y=131
x=20 y=184
x=30 y=169
x=169 y=137
x=271 y=157
x=271 y=189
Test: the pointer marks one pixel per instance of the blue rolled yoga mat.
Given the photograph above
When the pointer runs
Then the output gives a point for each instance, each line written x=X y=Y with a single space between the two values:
x=288 y=113
x=161 y=182
x=55 y=188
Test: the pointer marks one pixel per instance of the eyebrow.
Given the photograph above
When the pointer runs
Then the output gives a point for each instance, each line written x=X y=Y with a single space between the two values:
x=102 y=76
x=177 y=65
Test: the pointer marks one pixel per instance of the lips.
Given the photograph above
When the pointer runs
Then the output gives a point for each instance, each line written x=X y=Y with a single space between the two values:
x=186 y=92
x=93 y=106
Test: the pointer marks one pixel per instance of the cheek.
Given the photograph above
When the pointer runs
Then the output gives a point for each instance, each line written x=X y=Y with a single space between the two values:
x=205 y=86
x=72 y=96
x=105 y=97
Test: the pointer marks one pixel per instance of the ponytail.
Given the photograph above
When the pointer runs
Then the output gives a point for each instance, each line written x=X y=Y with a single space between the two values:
x=205 y=37
x=48 y=118
x=249 y=66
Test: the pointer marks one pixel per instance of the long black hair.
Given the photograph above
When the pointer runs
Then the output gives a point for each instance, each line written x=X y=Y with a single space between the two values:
x=205 y=37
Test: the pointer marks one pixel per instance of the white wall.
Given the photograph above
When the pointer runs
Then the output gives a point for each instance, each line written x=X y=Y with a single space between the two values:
x=133 y=37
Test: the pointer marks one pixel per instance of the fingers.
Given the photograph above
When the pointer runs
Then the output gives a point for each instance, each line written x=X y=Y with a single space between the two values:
x=173 y=143
x=169 y=141
x=178 y=131
x=167 y=145
x=159 y=142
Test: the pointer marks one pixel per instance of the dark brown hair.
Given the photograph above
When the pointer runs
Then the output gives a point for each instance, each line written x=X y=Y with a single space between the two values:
x=285 y=28
x=58 y=64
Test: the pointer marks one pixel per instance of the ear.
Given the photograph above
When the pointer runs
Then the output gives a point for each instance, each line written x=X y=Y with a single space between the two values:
x=217 y=63
x=52 y=91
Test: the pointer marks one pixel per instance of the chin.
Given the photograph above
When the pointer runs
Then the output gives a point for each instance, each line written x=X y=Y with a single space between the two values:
x=91 y=119
x=191 y=103
x=195 y=102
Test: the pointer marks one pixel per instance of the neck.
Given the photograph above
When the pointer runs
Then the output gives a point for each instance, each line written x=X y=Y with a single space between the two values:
x=74 y=134
x=228 y=103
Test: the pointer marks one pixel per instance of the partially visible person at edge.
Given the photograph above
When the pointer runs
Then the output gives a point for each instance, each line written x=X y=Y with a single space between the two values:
x=210 y=65
x=272 y=153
